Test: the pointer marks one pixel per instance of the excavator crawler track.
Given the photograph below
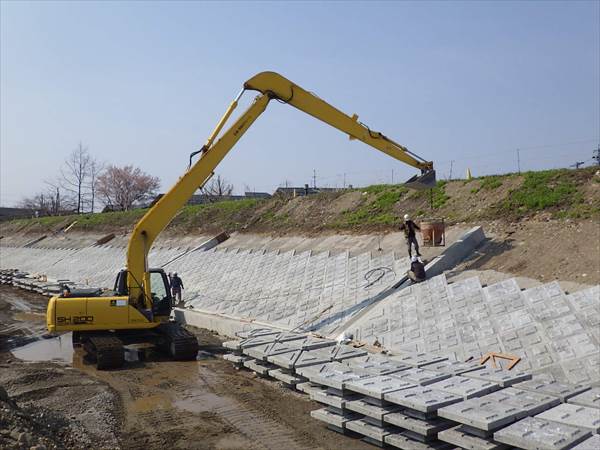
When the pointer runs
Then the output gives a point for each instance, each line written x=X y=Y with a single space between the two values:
x=107 y=350
x=178 y=342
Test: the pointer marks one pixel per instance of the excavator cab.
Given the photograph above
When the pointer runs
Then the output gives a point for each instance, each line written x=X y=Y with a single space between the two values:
x=421 y=182
x=161 y=290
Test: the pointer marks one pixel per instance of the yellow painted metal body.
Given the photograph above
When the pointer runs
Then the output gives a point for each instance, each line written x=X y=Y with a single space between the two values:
x=94 y=313
x=270 y=86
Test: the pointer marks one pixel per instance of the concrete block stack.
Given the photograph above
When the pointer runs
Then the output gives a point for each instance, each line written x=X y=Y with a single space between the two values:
x=422 y=400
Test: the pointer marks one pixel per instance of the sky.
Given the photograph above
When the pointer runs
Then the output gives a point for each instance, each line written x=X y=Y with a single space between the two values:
x=464 y=84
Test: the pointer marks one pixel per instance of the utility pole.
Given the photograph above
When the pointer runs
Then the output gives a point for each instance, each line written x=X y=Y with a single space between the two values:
x=344 y=180
x=597 y=156
x=314 y=178
x=519 y=161
x=392 y=176
x=451 y=164
x=577 y=164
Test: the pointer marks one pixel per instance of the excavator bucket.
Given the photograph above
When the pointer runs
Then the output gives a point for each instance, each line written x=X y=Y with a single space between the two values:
x=423 y=181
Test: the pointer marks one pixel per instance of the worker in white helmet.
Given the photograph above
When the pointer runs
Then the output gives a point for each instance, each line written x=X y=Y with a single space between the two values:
x=409 y=227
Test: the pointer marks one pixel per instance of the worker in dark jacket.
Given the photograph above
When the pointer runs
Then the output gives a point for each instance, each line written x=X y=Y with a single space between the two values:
x=409 y=228
x=176 y=288
x=417 y=270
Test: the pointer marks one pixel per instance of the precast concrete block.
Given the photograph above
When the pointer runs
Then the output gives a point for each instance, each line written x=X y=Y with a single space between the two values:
x=286 y=360
x=378 y=386
x=313 y=343
x=328 y=416
x=585 y=298
x=259 y=340
x=417 y=359
x=429 y=427
x=502 y=377
x=585 y=370
x=238 y=360
x=465 y=387
x=554 y=388
x=258 y=352
x=482 y=413
x=457 y=436
x=335 y=375
x=589 y=398
x=312 y=357
x=453 y=367
x=375 y=365
x=369 y=410
x=337 y=401
x=364 y=428
x=346 y=352
x=286 y=377
x=591 y=443
x=575 y=415
x=421 y=376
x=403 y=441
x=533 y=433
x=422 y=399
x=232 y=345
x=308 y=388
x=530 y=403
x=258 y=367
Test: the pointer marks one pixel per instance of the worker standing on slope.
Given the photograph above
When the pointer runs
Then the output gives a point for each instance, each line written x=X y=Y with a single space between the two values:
x=409 y=228
x=176 y=288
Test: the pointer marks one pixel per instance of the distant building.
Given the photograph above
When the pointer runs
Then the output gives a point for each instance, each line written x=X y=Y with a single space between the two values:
x=16 y=213
x=202 y=199
x=302 y=191
x=257 y=195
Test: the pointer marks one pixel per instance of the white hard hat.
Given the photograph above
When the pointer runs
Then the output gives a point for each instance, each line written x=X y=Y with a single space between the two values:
x=414 y=259
x=406 y=217
x=174 y=273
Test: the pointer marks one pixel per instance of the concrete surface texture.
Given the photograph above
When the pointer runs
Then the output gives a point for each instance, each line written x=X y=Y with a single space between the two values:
x=402 y=409
x=553 y=333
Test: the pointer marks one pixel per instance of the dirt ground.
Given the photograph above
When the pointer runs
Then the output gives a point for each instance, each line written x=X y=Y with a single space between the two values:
x=152 y=403
x=543 y=250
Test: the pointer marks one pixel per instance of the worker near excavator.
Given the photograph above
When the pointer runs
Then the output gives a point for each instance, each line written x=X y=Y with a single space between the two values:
x=176 y=288
x=409 y=228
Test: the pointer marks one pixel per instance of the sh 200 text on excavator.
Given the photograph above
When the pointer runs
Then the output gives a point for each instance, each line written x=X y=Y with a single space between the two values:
x=139 y=307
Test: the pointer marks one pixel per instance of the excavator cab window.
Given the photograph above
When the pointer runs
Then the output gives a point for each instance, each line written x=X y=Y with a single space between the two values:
x=161 y=292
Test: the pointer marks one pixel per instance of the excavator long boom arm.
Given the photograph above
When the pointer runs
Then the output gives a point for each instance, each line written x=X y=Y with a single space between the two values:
x=270 y=85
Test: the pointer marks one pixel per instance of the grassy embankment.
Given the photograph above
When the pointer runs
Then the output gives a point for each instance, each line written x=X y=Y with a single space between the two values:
x=555 y=194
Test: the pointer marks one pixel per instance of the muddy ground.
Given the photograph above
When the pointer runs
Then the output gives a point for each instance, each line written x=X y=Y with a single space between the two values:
x=152 y=403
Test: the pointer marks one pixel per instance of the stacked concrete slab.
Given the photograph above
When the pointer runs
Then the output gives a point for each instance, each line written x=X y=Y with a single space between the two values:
x=422 y=400
x=553 y=333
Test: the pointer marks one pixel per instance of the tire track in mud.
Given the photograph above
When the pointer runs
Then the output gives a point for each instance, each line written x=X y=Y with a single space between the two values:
x=262 y=432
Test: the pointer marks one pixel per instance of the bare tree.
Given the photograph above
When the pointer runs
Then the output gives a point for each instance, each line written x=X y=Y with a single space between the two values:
x=124 y=187
x=75 y=174
x=38 y=203
x=47 y=203
x=216 y=189
x=95 y=170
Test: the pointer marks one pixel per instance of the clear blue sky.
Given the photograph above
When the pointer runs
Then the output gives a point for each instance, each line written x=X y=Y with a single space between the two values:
x=144 y=83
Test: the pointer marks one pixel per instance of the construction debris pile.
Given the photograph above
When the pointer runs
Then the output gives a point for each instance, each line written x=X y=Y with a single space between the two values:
x=419 y=400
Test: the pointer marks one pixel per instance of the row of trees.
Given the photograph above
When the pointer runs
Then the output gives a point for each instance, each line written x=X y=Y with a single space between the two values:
x=84 y=182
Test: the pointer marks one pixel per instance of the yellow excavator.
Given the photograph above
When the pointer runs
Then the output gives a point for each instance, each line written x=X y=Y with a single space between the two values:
x=139 y=307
